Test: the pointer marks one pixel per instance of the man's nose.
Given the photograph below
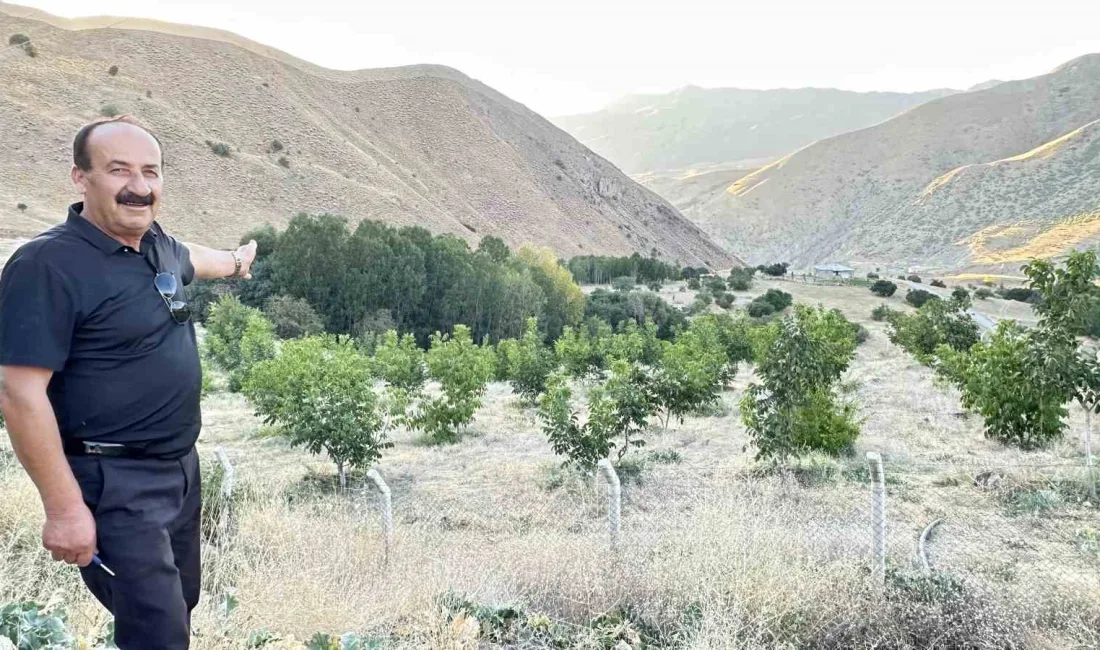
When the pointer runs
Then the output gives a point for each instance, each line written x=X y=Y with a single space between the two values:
x=139 y=185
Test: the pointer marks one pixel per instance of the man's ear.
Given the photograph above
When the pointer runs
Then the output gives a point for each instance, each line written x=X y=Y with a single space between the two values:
x=79 y=179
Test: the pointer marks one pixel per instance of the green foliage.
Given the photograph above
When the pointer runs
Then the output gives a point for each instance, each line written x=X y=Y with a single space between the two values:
x=615 y=309
x=284 y=162
x=582 y=352
x=109 y=110
x=716 y=285
x=636 y=344
x=961 y=295
x=238 y=337
x=564 y=304
x=936 y=323
x=623 y=284
x=30 y=627
x=526 y=363
x=400 y=362
x=275 y=147
x=494 y=248
x=463 y=370
x=1020 y=294
x=694 y=284
x=22 y=207
x=219 y=148
x=724 y=300
x=881 y=313
x=774 y=270
x=917 y=297
x=741 y=279
x=914 y=278
x=938 y=283
x=292 y=318
x=618 y=408
x=30 y=49
x=18 y=39
x=319 y=391
x=794 y=409
x=1011 y=382
x=883 y=288
x=597 y=269
x=692 y=371
x=113 y=70
x=873 y=276
x=772 y=301
x=983 y=293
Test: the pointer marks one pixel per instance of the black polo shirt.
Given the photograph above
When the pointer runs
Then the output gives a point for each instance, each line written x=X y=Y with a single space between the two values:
x=77 y=302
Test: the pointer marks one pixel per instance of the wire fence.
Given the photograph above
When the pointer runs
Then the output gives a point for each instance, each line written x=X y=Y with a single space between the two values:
x=858 y=554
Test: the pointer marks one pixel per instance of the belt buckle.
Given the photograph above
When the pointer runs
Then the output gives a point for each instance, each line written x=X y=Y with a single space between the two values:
x=96 y=448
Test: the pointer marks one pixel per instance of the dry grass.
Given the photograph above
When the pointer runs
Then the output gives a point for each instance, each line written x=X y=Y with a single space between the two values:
x=717 y=551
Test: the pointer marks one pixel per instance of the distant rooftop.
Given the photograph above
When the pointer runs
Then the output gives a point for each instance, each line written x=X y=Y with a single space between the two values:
x=832 y=267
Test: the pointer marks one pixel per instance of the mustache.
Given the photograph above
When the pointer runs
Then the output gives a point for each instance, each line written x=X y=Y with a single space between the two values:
x=129 y=197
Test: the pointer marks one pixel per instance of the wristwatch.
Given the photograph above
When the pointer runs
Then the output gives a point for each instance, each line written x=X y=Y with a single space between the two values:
x=236 y=264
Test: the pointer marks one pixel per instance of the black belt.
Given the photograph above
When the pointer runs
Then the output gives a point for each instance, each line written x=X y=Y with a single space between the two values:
x=111 y=449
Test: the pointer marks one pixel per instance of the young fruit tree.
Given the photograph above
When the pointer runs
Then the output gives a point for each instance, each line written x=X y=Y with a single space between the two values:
x=463 y=370
x=319 y=392
x=692 y=371
x=526 y=363
x=794 y=409
x=237 y=338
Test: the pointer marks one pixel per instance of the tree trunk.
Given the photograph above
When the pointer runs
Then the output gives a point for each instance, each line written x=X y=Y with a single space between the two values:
x=343 y=476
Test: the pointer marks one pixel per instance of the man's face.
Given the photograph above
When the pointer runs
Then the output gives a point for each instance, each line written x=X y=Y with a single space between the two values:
x=122 y=190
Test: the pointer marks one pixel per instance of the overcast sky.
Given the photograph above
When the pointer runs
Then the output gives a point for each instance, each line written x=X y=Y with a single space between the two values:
x=571 y=56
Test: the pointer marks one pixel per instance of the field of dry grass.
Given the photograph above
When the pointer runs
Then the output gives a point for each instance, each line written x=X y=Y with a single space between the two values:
x=717 y=552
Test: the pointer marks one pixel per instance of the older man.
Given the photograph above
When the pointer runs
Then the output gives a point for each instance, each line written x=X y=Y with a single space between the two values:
x=101 y=382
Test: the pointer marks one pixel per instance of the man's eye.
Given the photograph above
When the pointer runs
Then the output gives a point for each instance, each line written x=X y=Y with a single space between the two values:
x=151 y=174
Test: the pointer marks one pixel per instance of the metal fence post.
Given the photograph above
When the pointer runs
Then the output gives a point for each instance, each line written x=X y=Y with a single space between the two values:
x=228 y=474
x=614 y=500
x=387 y=513
x=878 y=517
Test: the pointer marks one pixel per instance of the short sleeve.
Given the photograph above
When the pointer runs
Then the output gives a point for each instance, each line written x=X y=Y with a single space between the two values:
x=38 y=315
x=181 y=253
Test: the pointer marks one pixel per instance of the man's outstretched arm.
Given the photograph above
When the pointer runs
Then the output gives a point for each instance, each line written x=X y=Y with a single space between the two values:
x=211 y=263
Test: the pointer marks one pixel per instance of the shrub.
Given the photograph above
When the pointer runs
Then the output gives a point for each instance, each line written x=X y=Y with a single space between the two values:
x=580 y=353
x=109 y=110
x=983 y=293
x=284 y=161
x=1020 y=294
x=18 y=39
x=34 y=627
x=724 y=300
x=30 y=49
x=149 y=94
x=881 y=313
x=760 y=309
x=218 y=148
x=463 y=370
x=774 y=270
x=620 y=407
x=961 y=294
x=716 y=285
x=883 y=288
x=771 y=302
x=319 y=391
x=692 y=371
x=526 y=363
x=113 y=70
x=694 y=284
x=400 y=362
x=237 y=338
x=872 y=275
x=654 y=286
x=275 y=147
x=291 y=317
x=636 y=344
x=913 y=278
x=22 y=207
x=936 y=323
x=623 y=283
x=741 y=279
x=917 y=297
x=938 y=283
x=794 y=409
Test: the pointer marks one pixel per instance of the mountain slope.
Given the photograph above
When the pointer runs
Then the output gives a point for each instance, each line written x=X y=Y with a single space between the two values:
x=860 y=197
x=695 y=126
x=419 y=145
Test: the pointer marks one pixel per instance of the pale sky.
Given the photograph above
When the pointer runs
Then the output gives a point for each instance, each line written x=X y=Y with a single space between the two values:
x=571 y=56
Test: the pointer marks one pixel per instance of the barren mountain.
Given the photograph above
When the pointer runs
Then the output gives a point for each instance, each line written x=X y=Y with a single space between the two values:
x=694 y=126
x=949 y=183
x=417 y=145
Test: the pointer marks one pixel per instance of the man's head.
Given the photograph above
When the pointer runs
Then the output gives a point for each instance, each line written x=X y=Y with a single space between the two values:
x=117 y=165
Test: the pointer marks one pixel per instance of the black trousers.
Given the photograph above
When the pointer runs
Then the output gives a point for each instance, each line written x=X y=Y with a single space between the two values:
x=147 y=514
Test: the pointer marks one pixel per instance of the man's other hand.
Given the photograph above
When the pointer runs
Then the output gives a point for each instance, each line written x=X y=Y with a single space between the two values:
x=70 y=536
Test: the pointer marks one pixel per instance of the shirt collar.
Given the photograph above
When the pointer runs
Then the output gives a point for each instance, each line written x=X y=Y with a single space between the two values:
x=96 y=237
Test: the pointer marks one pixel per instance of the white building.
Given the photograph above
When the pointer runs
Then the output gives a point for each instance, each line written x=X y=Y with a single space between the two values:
x=834 y=271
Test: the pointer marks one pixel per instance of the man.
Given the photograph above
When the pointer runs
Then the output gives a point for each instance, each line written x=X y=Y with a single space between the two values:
x=101 y=382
